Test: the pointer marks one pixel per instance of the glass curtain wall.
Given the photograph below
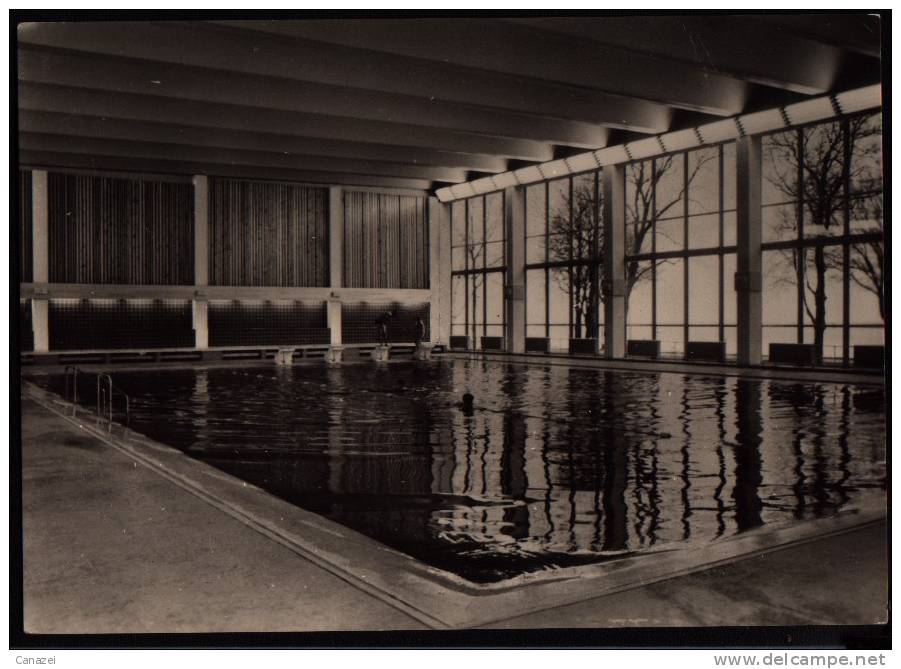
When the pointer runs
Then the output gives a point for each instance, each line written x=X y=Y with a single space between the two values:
x=823 y=237
x=478 y=264
x=680 y=249
x=564 y=248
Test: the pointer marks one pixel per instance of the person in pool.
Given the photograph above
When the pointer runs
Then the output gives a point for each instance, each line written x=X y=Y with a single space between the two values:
x=382 y=323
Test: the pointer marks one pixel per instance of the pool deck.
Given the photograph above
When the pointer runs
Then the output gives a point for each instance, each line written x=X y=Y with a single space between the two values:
x=112 y=546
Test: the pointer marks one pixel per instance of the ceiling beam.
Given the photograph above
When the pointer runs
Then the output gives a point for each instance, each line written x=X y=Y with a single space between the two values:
x=255 y=54
x=107 y=104
x=51 y=160
x=200 y=155
x=513 y=50
x=721 y=44
x=218 y=86
x=143 y=131
x=860 y=33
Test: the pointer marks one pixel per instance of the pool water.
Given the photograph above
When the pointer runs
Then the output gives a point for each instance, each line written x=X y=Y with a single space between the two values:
x=554 y=466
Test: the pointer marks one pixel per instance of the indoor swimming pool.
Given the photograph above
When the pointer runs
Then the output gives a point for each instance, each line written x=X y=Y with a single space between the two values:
x=554 y=465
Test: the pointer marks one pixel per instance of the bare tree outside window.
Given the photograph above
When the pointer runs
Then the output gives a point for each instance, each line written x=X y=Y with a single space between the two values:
x=818 y=155
x=579 y=238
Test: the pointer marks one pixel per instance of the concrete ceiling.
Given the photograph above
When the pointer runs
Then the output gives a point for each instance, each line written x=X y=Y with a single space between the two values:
x=415 y=103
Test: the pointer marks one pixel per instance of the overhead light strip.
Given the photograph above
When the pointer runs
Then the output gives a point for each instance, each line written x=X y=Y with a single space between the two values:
x=808 y=111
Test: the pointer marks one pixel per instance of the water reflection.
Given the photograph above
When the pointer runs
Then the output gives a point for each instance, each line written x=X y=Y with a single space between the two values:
x=554 y=466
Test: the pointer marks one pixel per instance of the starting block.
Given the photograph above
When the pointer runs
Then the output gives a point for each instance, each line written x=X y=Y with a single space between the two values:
x=284 y=356
x=380 y=353
x=423 y=352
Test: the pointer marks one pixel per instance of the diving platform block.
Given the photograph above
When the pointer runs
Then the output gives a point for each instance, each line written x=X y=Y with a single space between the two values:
x=380 y=353
x=284 y=356
x=335 y=353
x=423 y=351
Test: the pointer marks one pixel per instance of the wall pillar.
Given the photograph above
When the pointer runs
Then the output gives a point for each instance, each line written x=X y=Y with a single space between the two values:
x=748 y=279
x=335 y=261
x=40 y=307
x=333 y=318
x=200 y=307
x=515 y=305
x=439 y=271
x=336 y=236
x=614 y=267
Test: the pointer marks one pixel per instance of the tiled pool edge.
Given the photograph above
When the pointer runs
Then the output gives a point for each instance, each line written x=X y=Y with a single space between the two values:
x=436 y=598
x=667 y=366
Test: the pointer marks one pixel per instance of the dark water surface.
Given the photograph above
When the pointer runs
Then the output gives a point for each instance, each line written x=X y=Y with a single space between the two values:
x=555 y=466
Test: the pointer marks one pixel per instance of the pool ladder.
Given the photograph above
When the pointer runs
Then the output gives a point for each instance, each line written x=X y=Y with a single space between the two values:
x=105 y=392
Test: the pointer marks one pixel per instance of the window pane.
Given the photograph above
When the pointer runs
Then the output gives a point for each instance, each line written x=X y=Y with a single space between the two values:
x=672 y=340
x=475 y=256
x=476 y=220
x=458 y=258
x=638 y=192
x=866 y=279
x=558 y=247
x=494 y=254
x=832 y=344
x=780 y=167
x=638 y=332
x=536 y=210
x=731 y=336
x=866 y=153
x=458 y=223
x=558 y=206
x=823 y=159
x=476 y=316
x=729 y=228
x=559 y=297
x=536 y=248
x=780 y=222
x=669 y=234
x=729 y=303
x=704 y=231
x=826 y=222
x=729 y=177
x=559 y=335
x=832 y=280
x=584 y=221
x=780 y=292
x=778 y=335
x=494 y=216
x=458 y=301
x=670 y=178
x=697 y=333
x=866 y=213
x=703 y=282
x=495 y=297
x=704 y=184
x=639 y=298
x=867 y=337
x=535 y=298
x=584 y=301
x=670 y=292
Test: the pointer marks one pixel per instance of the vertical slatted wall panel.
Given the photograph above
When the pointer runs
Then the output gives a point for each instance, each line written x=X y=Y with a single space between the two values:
x=120 y=231
x=26 y=267
x=386 y=241
x=267 y=234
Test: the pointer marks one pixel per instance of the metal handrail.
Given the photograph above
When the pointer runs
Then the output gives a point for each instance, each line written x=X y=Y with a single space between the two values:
x=105 y=392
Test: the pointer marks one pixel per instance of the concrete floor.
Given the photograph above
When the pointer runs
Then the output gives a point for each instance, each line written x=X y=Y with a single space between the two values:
x=111 y=546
